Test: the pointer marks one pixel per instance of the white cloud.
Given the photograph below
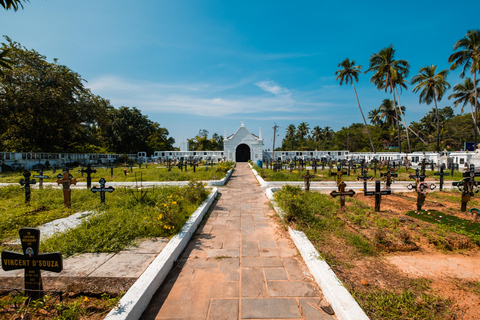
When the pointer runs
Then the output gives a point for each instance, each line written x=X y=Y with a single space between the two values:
x=272 y=87
x=199 y=98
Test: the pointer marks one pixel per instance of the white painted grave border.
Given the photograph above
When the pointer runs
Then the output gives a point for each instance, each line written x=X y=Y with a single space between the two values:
x=137 y=298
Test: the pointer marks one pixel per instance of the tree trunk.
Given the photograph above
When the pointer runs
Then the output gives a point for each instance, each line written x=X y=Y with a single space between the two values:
x=364 y=121
x=476 y=107
x=438 y=125
x=396 y=118
x=404 y=121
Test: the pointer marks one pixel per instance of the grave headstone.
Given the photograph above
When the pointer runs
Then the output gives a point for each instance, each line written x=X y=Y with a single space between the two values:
x=468 y=186
x=307 y=178
x=26 y=184
x=66 y=181
x=40 y=177
x=441 y=174
x=89 y=172
x=102 y=190
x=378 y=194
x=342 y=193
x=32 y=261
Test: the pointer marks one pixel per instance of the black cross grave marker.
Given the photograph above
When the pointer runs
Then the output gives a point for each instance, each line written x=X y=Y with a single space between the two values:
x=339 y=174
x=40 y=177
x=389 y=177
x=27 y=182
x=421 y=187
x=89 y=171
x=378 y=194
x=307 y=178
x=441 y=174
x=102 y=190
x=32 y=261
x=342 y=193
x=469 y=186
x=194 y=164
x=365 y=177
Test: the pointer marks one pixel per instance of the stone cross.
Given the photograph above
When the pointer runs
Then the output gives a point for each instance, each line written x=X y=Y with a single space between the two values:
x=66 y=180
x=377 y=193
x=307 y=178
x=32 y=261
x=342 y=193
x=89 y=172
x=27 y=182
x=40 y=177
x=102 y=190
x=441 y=174
x=469 y=186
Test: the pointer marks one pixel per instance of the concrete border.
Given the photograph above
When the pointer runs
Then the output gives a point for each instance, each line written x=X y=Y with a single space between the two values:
x=260 y=180
x=344 y=305
x=223 y=181
x=137 y=298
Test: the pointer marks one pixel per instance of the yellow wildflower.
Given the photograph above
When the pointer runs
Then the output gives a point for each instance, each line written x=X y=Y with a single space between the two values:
x=164 y=204
x=160 y=216
x=86 y=299
x=174 y=202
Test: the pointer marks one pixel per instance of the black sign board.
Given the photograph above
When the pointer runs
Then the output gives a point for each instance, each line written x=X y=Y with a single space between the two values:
x=32 y=261
x=102 y=190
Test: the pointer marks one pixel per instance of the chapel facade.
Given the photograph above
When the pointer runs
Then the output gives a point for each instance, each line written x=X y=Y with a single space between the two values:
x=243 y=145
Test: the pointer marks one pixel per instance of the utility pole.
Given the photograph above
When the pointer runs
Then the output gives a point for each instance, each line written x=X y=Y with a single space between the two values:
x=274 y=135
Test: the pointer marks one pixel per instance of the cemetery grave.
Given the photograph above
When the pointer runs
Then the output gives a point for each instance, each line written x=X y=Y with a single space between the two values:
x=150 y=173
x=355 y=240
x=123 y=221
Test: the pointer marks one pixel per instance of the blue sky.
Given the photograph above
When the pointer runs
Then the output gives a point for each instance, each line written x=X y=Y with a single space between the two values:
x=210 y=64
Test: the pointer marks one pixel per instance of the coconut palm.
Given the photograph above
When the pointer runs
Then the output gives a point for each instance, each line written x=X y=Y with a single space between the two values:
x=349 y=74
x=432 y=86
x=375 y=117
x=465 y=93
x=387 y=73
x=469 y=57
x=302 y=130
x=401 y=83
x=12 y=4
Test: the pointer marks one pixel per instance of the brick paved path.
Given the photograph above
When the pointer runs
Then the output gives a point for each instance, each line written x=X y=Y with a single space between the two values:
x=241 y=264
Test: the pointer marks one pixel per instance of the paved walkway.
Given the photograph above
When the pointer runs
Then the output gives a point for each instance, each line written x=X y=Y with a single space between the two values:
x=241 y=264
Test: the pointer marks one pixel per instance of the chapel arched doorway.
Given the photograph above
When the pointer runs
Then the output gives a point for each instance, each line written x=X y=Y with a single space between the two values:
x=242 y=153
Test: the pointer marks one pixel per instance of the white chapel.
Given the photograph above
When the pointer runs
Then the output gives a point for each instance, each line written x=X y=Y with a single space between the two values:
x=243 y=145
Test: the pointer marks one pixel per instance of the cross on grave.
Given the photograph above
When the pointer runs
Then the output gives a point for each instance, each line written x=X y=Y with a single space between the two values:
x=125 y=168
x=421 y=187
x=66 y=180
x=324 y=162
x=441 y=174
x=194 y=164
x=291 y=166
x=377 y=193
x=365 y=177
x=389 y=177
x=27 y=182
x=339 y=174
x=307 y=178
x=54 y=167
x=423 y=165
x=102 y=190
x=169 y=164
x=89 y=171
x=375 y=166
x=314 y=165
x=342 y=193
x=469 y=186
x=40 y=177
x=131 y=166
x=182 y=165
x=32 y=261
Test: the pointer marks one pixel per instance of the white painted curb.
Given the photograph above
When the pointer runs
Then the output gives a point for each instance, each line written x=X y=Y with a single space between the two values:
x=221 y=182
x=259 y=179
x=342 y=302
x=137 y=298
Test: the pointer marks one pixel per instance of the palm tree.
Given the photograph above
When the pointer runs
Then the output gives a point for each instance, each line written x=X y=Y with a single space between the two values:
x=5 y=62
x=375 y=117
x=12 y=4
x=349 y=73
x=387 y=113
x=401 y=83
x=302 y=130
x=387 y=72
x=327 y=133
x=465 y=93
x=432 y=86
x=469 y=57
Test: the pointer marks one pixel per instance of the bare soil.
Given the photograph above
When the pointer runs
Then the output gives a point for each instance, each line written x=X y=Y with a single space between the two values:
x=461 y=285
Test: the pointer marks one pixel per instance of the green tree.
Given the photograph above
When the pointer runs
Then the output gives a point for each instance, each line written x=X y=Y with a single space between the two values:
x=387 y=72
x=5 y=62
x=432 y=86
x=45 y=106
x=469 y=57
x=465 y=93
x=349 y=74
x=375 y=117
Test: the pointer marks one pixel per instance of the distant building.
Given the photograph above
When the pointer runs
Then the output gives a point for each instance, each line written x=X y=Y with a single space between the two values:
x=243 y=145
